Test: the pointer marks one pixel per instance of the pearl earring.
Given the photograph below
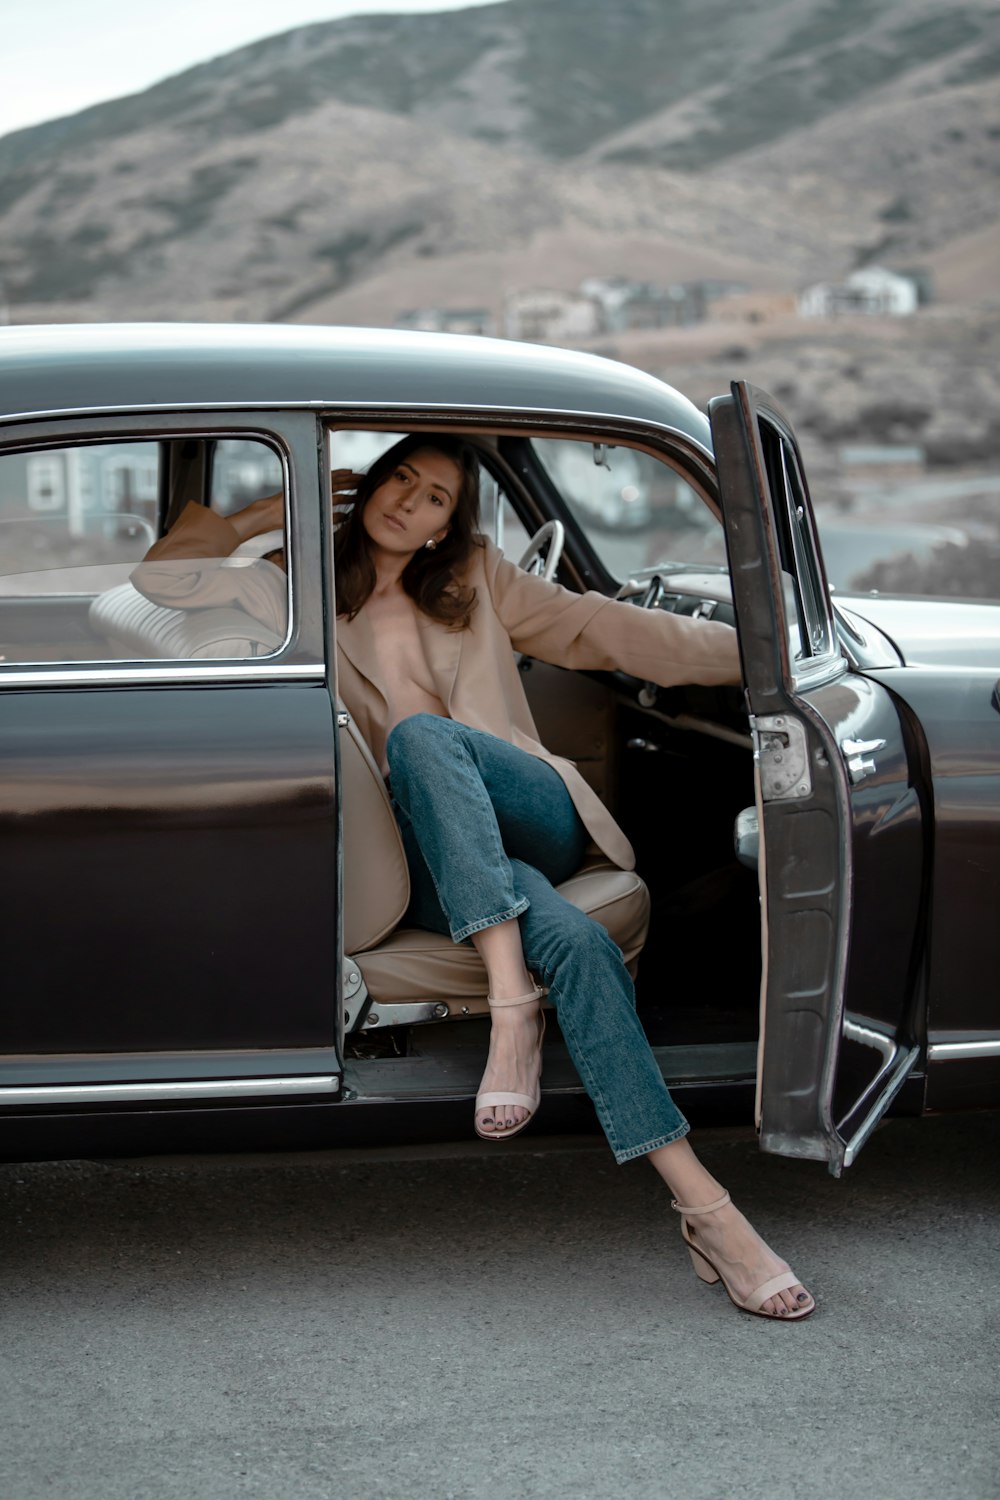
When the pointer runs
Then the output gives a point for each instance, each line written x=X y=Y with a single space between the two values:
x=430 y=545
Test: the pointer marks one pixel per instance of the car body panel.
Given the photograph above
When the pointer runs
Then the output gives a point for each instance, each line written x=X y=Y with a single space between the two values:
x=934 y=632
x=958 y=713
x=197 y=827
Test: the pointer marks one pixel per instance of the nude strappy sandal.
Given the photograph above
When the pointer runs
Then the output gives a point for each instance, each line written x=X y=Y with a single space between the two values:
x=524 y=1101
x=710 y=1273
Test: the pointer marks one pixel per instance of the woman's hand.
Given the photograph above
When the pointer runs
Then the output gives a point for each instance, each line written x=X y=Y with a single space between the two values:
x=263 y=515
x=343 y=482
x=268 y=514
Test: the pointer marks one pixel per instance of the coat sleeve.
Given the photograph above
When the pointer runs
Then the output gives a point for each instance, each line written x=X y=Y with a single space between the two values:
x=589 y=630
x=191 y=568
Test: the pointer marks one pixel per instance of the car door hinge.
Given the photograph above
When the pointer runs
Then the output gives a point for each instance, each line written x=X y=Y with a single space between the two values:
x=779 y=748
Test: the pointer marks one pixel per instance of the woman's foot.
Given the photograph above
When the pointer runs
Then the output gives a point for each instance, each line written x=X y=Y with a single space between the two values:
x=514 y=1065
x=743 y=1260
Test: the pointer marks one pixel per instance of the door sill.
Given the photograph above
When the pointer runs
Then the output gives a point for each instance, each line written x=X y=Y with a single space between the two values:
x=452 y=1068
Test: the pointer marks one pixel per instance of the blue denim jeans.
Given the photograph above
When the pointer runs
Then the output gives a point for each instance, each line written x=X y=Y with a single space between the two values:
x=489 y=831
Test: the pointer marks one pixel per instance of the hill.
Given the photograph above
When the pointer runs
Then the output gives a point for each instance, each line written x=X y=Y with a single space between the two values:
x=359 y=167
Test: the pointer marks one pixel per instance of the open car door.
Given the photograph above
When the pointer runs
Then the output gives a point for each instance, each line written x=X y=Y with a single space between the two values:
x=842 y=844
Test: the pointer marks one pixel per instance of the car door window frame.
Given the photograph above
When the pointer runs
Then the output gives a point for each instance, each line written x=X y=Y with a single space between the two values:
x=821 y=656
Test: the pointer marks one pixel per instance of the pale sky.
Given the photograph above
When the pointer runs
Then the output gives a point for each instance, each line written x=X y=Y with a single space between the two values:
x=58 y=56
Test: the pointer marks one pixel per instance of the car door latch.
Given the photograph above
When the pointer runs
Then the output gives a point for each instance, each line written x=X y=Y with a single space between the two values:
x=779 y=748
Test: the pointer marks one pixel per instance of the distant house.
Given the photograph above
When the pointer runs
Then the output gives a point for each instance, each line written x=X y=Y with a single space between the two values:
x=871 y=291
x=449 y=320
x=550 y=317
x=922 y=278
x=610 y=305
x=626 y=305
x=79 y=491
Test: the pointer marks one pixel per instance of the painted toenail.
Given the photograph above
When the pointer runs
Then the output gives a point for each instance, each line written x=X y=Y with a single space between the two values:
x=802 y=1297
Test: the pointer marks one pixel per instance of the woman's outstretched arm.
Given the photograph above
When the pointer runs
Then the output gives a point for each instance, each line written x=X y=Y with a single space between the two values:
x=589 y=630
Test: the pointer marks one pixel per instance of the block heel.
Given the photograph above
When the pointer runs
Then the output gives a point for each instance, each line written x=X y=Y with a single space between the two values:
x=708 y=1271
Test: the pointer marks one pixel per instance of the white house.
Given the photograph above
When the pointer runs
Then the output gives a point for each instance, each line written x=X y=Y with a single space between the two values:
x=872 y=290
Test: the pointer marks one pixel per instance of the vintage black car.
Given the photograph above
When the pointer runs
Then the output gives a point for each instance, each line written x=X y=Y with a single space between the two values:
x=202 y=886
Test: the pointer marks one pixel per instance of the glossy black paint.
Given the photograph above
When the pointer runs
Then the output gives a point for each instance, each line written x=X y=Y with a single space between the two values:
x=169 y=875
x=888 y=898
x=960 y=727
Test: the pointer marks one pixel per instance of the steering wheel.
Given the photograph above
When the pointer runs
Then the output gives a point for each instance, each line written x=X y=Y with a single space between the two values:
x=543 y=552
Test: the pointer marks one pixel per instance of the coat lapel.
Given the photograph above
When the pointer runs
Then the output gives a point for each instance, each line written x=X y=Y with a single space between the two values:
x=354 y=637
x=442 y=651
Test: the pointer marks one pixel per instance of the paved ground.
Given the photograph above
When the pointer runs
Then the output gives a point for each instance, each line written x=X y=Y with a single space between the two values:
x=497 y=1323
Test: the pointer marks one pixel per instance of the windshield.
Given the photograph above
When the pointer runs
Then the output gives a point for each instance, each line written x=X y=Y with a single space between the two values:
x=637 y=512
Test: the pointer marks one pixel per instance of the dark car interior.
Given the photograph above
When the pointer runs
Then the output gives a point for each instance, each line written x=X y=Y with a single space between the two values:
x=675 y=766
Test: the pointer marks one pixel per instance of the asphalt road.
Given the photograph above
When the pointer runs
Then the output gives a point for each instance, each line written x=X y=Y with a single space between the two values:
x=497 y=1322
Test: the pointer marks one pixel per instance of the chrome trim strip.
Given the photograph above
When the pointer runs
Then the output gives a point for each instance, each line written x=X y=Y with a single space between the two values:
x=173 y=672
x=426 y=411
x=203 y=1088
x=899 y=1074
x=818 y=672
x=952 y=1051
x=867 y=1036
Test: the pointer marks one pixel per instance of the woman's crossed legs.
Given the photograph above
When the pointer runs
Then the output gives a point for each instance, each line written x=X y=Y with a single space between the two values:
x=489 y=830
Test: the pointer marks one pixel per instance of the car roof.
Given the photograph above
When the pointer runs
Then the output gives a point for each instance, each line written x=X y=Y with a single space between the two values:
x=53 y=369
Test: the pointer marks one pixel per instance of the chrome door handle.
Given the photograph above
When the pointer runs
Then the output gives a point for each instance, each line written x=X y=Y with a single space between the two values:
x=855 y=752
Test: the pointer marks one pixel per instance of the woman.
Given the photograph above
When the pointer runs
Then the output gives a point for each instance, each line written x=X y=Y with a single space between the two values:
x=429 y=615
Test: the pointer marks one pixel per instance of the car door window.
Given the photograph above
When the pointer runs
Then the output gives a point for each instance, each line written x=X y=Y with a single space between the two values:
x=77 y=523
x=812 y=635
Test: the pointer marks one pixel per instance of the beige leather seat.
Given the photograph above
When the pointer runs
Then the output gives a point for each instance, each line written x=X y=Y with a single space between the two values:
x=140 y=630
x=392 y=975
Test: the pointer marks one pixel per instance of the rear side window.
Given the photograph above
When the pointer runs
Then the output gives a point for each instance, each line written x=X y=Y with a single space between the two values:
x=142 y=551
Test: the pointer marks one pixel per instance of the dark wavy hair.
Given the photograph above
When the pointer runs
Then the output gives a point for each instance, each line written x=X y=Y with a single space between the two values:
x=431 y=577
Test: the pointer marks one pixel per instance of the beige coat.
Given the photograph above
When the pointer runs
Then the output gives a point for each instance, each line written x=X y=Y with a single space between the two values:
x=475 y=673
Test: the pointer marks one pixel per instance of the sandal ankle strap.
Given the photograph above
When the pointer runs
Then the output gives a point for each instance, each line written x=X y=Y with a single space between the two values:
x=707 y=1208
x=496 y=1004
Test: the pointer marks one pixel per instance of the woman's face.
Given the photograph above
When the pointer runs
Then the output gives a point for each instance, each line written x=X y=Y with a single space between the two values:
x=414 y=504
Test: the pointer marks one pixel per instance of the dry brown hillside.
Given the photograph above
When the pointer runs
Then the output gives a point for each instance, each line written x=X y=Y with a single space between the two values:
x=357 y=168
